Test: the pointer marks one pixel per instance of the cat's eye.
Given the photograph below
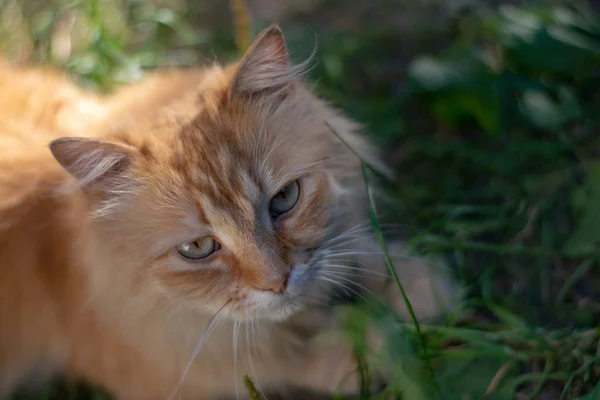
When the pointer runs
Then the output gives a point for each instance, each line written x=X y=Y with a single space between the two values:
x=199 y=248
x=285 y=200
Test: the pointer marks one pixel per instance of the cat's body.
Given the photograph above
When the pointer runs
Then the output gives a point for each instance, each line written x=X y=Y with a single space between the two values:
x=95 y=276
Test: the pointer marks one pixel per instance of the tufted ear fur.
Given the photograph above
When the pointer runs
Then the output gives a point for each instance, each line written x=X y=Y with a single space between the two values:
x=91 y=161
x=265 y=67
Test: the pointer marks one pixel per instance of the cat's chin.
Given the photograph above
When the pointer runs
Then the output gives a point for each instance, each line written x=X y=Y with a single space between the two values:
x=277 y=314
x=270 y=306
x=301 y=291
x=278 y=308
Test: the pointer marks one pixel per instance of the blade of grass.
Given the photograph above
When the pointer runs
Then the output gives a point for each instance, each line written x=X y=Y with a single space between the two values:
x=579 y=273
x=549 y=365
x=578 y=371
x=365 y=381
x=358 y=156
x=495 y=382
x=242 y=22
x=377 y=228
x=516 y=382
x=250 y=388
x=460 y=244
x=390 y=265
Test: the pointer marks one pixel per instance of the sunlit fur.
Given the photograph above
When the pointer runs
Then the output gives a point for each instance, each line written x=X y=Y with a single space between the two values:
x=91 y=284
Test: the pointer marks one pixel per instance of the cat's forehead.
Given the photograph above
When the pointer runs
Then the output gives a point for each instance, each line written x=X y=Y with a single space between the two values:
x=219 y=170
x=243 y=151
x=223 y=177
x=233 y=161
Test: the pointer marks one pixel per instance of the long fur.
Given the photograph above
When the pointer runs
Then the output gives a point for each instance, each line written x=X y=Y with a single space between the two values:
x=91 y=282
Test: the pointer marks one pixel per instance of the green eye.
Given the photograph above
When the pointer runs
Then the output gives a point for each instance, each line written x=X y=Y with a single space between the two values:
x=285 y=200
x=199 y=248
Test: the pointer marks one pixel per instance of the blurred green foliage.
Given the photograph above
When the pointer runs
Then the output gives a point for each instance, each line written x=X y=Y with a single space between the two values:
x=494 y=136
x=102 y=43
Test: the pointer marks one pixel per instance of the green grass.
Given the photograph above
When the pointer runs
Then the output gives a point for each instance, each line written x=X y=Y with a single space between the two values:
x=491 y=120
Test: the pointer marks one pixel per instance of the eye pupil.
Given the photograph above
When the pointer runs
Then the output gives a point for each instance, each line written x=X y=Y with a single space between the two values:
x=285 y=200
x=199 y=248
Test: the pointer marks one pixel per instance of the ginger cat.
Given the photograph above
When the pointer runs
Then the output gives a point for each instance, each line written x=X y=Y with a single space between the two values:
x=142 y=231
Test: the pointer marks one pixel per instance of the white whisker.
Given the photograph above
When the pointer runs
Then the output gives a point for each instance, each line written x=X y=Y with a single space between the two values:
x=211 y=326
x=358 y=237
x=350 y=252
x=361 y=225
x=333 y=275
x=393 y=255
x=236 y=328
x=357 y=229
x=254 y=377
x=361 y=269
x=367 y=230
x=345 y=287
x=365 y=227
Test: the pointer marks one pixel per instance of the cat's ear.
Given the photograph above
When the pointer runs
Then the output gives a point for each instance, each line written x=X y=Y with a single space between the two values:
x=91 y=161
x=265 y=68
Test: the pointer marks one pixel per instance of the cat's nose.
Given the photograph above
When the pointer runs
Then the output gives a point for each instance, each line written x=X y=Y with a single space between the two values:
x=275 y=285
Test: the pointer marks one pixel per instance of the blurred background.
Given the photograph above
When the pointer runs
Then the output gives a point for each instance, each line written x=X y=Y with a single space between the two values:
x=489 y=111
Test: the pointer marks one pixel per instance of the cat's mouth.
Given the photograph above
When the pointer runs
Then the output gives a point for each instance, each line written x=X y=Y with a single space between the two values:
x=300 y=292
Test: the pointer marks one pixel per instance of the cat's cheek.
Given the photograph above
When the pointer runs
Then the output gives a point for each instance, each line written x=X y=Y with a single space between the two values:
x=176 y=264
x=299 y=279
x=309 y=226
x=305 y=230
x=189 y=281
x=262 y=301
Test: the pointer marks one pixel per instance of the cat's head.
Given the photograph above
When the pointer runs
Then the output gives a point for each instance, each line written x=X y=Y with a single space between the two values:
x=229 y=196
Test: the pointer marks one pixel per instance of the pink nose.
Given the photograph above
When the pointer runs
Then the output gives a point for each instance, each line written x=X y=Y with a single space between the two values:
x=276 y=286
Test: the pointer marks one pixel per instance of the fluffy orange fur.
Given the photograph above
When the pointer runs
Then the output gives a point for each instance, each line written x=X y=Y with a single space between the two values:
x=93 y=281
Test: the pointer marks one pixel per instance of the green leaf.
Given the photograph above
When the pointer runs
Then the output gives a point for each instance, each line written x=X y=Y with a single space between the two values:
x=459 y=88
x=180 y=26
x=546 y=46
x=509 y=318
x=469 y=378
x=586 y=22
x=593 y=395
x=398 y=359
x=456 y=106
x=586 y=201
x=430 y=74
x=546 y=112
x=408 y=375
